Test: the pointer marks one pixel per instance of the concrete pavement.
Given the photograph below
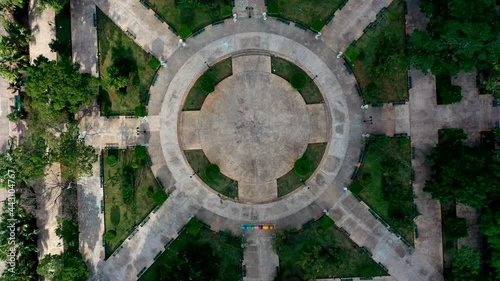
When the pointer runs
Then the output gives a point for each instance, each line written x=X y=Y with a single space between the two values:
x=349 y=22
x=84 y=35
x=43 y=31
x=142 y=25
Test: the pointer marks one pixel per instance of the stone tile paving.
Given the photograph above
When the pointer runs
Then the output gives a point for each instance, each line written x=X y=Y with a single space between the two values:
x=350 y=21
x=84 y=35
x=43 y=31
x=257 y=7
x=142 y=25
x=91 y=218
x=259 y=257
x=401 y=261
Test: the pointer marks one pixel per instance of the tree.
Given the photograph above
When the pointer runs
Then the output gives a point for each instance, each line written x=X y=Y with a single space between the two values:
x=30 y=159
x=469 y=175
x=461 y=36
x=63 y=268
x=58 y=86
x=74 y=154
x=465 y=264
x=57 y=5
x=310 y=262
x=119 y=72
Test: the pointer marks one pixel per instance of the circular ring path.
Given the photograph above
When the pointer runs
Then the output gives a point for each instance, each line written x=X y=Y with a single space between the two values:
x=341 y=100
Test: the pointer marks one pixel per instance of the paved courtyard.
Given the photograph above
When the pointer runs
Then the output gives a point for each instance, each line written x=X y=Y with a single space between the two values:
x=254 y=126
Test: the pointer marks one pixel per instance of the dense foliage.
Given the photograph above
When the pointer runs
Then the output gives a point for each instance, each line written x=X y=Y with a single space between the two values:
x=461 y=36
x=469 y=175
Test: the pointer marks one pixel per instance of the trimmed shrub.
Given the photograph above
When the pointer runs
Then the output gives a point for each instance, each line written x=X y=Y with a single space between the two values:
x=317 y=25
x=110 y=235
x=352 y=53
x=321 y=231
x=154 y=63
x=160 y=197
x=193 y=227
x=356 y=187
x=184 y=32
x=227 y=11
x=207 y=83
x=111 y=160
x=140 y=152
x=140 y=111
x=150 y=193
x=212 y=173
x=128 y=185
x=298 y=80
x=366 y=178
x=302 y=167
x=326 y=222
x=446 y=92
x=394 y=16
x=272 y=8
x=115 y=215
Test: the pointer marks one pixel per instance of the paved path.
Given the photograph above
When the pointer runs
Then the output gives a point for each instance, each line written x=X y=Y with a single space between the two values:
x=249 y=8
x=190 y=197
x=121 y=132
x=91 y=218
x=137 y=253
x=146 y=30
x=349 y=22
x=43 y=31
x=49 y=209
x=84 y=35
x=259 y=258
x=402 y=262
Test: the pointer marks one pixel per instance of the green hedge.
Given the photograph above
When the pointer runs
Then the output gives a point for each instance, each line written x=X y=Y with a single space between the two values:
x=298 y=80
x=352 y=53
x=160 y=197
x=302 y=167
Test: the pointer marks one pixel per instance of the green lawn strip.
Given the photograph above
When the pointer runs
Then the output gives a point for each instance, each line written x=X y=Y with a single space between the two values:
x=337 y=256
x=118 y=215
x=63 y=32
x=197 y=95
x=223 y=264
x=115 y=46
x=193 y=15
x=369 y=183
x=199 y=162
x=313 y=13
x=380 y=67
x=290 y=181
x=286 y=70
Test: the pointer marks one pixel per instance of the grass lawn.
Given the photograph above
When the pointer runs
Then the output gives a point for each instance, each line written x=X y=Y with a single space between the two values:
x=384 y=183
x=286 y=70
x=215 y=256
x=197 y=95
x=381 y=67
x=290 y=181
x=199 y=162
x=118 y=215
x=63 y=32
x=192 y=16
x=116 y=48
x=312 y=13
x=321 y=250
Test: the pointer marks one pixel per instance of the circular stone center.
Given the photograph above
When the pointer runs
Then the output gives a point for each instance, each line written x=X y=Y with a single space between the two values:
x=254 y=126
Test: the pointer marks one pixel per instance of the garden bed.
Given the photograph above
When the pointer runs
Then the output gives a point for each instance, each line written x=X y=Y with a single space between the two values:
x=188 y=17
x=214 y=75
x=199 y=254
x=131 y=192
x=378 y=58
x=199 y=162
x=291 y=181
x=127 y=87
x=384 y=183
x=286 y=70
x=314 y=13
x=321 y=250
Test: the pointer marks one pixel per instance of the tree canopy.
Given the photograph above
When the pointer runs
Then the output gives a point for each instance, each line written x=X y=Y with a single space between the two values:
x=469 y=175
x=59 y=85
x=74 y=154
x=461 y=36
x=465 y=264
